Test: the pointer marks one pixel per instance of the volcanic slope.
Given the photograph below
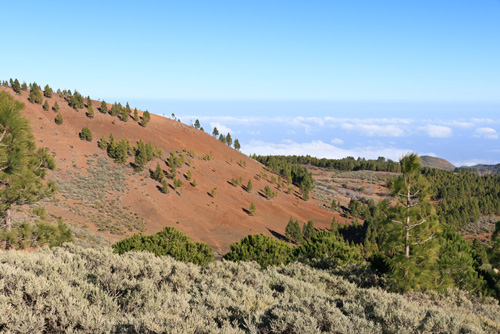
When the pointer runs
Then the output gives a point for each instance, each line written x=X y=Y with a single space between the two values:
x=115 y=201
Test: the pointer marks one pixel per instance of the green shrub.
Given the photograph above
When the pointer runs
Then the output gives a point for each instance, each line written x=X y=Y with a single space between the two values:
x=325 y=245
x=86 y=134
x=266 y=251
x=58 y=119
x=169 y=242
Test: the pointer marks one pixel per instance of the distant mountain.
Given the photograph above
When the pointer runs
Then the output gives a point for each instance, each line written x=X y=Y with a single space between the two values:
x=439 y=163
x=435 y=162
x=486 y=169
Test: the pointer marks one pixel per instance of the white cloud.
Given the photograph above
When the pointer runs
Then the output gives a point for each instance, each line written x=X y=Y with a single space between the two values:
x=222 y=128
x=337 y=141
x=436 y=131
x=318 y=148
x=486 y=133
x=373 y=130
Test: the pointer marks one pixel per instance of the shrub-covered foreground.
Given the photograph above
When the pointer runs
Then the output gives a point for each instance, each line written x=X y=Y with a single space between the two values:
x=72 y=289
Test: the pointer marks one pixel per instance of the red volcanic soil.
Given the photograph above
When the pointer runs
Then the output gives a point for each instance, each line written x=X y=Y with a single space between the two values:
x=218 y=221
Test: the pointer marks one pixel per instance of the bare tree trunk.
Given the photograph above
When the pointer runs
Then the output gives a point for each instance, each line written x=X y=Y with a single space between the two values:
x=8 y=227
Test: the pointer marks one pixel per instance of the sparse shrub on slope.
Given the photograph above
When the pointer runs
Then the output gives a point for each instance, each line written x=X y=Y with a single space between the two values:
x=86 y=134
x=169 y=242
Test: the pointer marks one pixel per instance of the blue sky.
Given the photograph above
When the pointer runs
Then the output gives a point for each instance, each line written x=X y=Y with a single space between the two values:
x=435 y=64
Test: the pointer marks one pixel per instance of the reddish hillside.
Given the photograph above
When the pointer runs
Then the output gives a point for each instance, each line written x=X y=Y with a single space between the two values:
x=114 y=200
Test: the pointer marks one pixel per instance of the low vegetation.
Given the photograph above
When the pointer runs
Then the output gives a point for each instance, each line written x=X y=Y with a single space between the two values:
x=73 y=289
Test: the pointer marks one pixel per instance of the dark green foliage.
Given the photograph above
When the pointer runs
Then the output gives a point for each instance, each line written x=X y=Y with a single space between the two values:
x=325 y=245
x=229 y=139
x=90 y=112
x=215 y=133
x=46 y=106
x=158 y=174
x=411 y=228
x=35 y=94
x=222 y=138
x=136 y=115
x=104 y=107
x=177 y=183
x=278 y=162
x=308 y=230
x=47 y=91
x=140 y=156
x=197 y=124
x=115 y=109
x=24 y=86
x=55 y=107
x=22 y=167
x=237 y=145
x=164 y=186
x=16 y=87
x=86 y=134
x=189 y=176
x=89 y=102
x=264 y=250
x=293 y=232
x=38 y=235
x=463 y=198
x=168 y=242
x=124 y=115
x=76 y=101
x=456 y=263
x=146 y=116
x=58 y=119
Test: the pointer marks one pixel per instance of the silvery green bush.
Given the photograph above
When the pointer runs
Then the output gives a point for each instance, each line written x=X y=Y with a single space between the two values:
x=71 y=289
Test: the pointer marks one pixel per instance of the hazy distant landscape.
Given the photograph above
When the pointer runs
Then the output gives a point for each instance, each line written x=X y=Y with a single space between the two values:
x=264 y=167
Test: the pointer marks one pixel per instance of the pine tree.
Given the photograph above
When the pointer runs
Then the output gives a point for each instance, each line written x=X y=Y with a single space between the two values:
x=103 y=143
x=86 y=134
x=194 y=183
x=222 y=139
x=253 y=209
x=89 y=102
x=16 y=86
x=249 y=186
x=237 y=145
x=22 y=167
x=59 y=119
x=46 y=105
x=35 y=95
x=158 y=174
x=215 y=133
x=124 y=115
x=146 y=116
x=229 y=140
x=90 y=112
x=55 y=107
x=47 y=91
x=189 y=176
x=104 y=107
x=140 y=156
x=164 y=186
x=24 y=86
x=136 y=115
x=197 y=124
x=411 y=228
x=308 y=230
x=293 y=232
